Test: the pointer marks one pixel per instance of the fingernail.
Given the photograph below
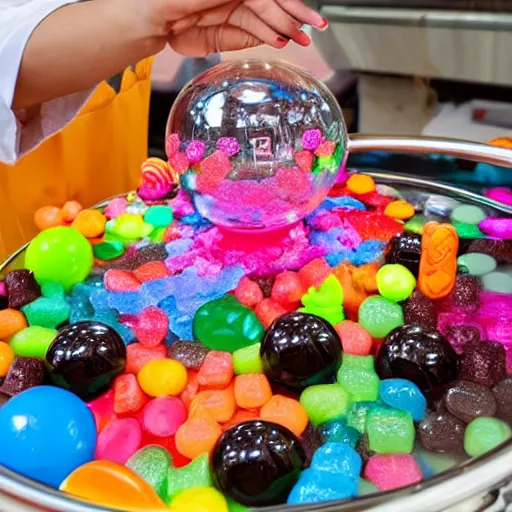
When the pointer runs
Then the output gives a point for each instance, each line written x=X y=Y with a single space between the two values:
x=302 y=39
x=283 y=40
x=324 y=25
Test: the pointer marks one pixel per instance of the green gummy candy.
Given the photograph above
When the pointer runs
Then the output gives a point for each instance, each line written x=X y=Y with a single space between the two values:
x=159 y=216
x=395 y=282
x=390 y=431
x=469 y=214
x=326 y=301
x=47 y=312
x=379 y=316
x=357 y=415
x=465 y=230
x=357 y=375
x=195 y=474
x=415 y=224
x=227 y=325
x=52 y=290
x=484 y=434
x=107 y=251
x=325 y=402
x=32 y=341
x=364 y=487
x=152 y=463
x=157 y=235
x=247 y=360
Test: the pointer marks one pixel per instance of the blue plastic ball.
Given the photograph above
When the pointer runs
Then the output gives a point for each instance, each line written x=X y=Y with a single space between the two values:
x=46 y=433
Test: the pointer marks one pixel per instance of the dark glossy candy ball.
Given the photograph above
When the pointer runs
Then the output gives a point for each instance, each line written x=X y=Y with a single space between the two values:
x=300 y=349
x=85 y=357
x=421 y=355
x=257 y=463
x=405 y=249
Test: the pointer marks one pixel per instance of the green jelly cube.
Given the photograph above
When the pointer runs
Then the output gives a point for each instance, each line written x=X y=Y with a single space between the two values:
x=357 y=375
x=106 y=251
x=47 y=312
x=357 y=415
x=152 y=463
x=325 y=402
x=484 y=434
x=390 y=431
x=247 y=360
x=195 y=474
x=32 y=341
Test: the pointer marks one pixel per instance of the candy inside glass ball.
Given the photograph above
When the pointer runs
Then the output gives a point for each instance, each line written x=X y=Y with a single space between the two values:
x=258 y=144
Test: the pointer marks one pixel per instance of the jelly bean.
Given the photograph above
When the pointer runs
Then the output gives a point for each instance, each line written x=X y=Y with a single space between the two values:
x=467 y=401
x=21 y=288
x=404 y=395
x=204 y=499
x=441 y=432
x=152 y=463
x=247 y=360
x=438 y=264
x=11 y=322
x=326 y=301
x=91 y=223
x=389 y=472
x=252 y=391
x=360 y=184
x=468 y=213
x=32 y=341
x=498 y=282
x=48 y=217
x=484 y=434
x=325 y=402
x=483 y=363
x=162 y=377
x=111 y=485
x=128 y=396
x=216 y=370
x=379 y=316
x=503 y=394
x=46 y=443
x=390 y=431
x=152 y=326
x=195 y=474
x=357 y=376
x=119 y=440
x=159 y=216
x=70 y=210
x=219 y=404
x=287 y=412
x=248 y=292
x=138 y=355
x=395 y=282
x=6 y=358
x=401 y=210
x=354 y=339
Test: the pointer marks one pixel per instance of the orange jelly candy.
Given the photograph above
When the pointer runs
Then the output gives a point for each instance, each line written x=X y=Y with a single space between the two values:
x=438 y=262
x=112 y=485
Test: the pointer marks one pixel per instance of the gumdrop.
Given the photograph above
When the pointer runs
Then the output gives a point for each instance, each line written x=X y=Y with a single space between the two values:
x=24 y=373
x=483 y=362
x=420 y=310
x=21 y=288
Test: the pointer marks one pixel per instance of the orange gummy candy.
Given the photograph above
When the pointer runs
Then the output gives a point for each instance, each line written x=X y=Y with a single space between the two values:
x=286 y=412
x=112 y=485
x=11 y=322
x=70 y=210
x=400 y=210
x=216 y=372
x=361 y=184
x=241 y=416
x=48 y=217
x=219 y=404
x=91 y=223
x=438 y=262
x=252 y=390
x=198 y=435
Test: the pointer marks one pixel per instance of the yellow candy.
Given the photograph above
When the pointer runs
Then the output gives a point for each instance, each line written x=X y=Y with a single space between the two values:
x=199 y=499
x=400 y=210
x=361 y=184
x=162 y=377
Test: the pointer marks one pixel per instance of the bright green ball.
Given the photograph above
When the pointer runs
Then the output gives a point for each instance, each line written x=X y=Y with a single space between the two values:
x=395 y=282
x=61 y=255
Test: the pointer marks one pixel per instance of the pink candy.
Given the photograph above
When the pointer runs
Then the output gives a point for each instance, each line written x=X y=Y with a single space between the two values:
x=152 y=326
x=311 y=139
x=326 y=148
x=195 y=151
x=163 y=416
x=115 y=208
x=389 y=472
x=172 y=145
x=304 y=160
x=120 y=281
x=500 y=194
x=497 y=227
x=214 y=169
x=228 y=145
x=179 y=162
x=119 y=440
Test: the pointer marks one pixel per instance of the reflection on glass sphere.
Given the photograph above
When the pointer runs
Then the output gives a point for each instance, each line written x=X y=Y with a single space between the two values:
x=257 y=144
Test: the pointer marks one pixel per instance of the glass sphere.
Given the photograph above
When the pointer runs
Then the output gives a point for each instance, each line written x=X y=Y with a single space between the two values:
x=257 y=144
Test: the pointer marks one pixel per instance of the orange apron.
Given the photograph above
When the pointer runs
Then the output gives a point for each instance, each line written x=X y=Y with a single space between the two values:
x=98 y=155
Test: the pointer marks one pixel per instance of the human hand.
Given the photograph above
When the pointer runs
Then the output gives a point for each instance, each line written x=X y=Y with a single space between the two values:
x=197 y=28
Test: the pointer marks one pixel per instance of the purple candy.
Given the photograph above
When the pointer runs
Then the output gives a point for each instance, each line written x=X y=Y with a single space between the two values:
x=500 y=194
x=497 y=227
x=228 y=145
x=195 y=151
x=311 y=139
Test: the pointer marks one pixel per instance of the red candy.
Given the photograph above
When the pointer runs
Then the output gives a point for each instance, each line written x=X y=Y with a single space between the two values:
x=304 y=160
x=248 y=292
x=288 y=288
x=214 y=169
x=216 y=371
x=121 y=281
x=119 y=440
x=376 y=226
x=179 y=162
x=293 y=183
x=151 y=271
x=152 y=327
x=326 y=148
x=354 y=339
x=137 y=355
x=128 y=396
x=162 y=416
x=102 y=409
x=314 y=273
x=268 y=310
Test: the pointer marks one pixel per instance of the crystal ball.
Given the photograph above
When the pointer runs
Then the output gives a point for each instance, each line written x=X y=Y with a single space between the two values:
x=258 y=145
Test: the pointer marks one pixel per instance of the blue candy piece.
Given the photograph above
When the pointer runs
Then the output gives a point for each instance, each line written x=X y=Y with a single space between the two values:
x=179 y=247
x=317 y=486
x=368 y=252
x=337 y=431
x=404 y=395
x=337 y=458
x=46 y=433
x=343 y=202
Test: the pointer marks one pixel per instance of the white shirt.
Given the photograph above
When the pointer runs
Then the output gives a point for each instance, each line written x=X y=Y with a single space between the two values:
x=18 y=19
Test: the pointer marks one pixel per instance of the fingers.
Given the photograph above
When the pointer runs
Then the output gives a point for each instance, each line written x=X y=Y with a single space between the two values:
x=301 y=12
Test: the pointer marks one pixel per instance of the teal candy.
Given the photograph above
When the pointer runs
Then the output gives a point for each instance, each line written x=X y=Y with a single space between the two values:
x=404 y=395
x=379 y=316
x=395 y=282
x=484 y=434
x=477 y=264
x=195 y=474
x=325 y=402
x=225 y=324
x=152 y=463
x=357 y=375
x=32 y=341
x=159 y=216
x=390 y=431
x=337 y=431
x=107 y=251
x=469 y=214
x=358 y=414
x=50 y=310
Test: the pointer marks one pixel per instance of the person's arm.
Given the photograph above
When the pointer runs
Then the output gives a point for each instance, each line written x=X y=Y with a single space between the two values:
x=78 y=46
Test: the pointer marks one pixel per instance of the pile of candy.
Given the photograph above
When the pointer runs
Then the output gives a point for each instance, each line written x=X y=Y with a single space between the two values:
x=149 y=360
